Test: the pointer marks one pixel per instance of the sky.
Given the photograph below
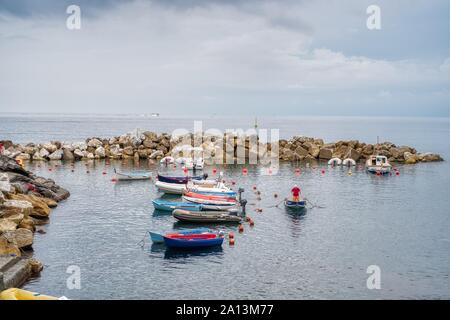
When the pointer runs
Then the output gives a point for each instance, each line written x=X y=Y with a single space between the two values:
x=255 y=57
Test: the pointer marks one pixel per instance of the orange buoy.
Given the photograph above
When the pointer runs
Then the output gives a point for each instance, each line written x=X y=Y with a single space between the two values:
x=113 y=179
x=231 y=235
x=251 y=222
x=231 y=241
x=378 y=173
x=297 y=171
x=244 y=171
x=397 y=173
x=254 y=187
x=247 y=219
x=214 y=170
x=323 y=171
x=241 y=228
x=49 y=169
x=104 y=172
x=185 y=170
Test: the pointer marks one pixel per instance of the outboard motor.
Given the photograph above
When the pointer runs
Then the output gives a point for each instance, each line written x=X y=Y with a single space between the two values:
x=240 y=190
x=205 y=176
x=243 y=203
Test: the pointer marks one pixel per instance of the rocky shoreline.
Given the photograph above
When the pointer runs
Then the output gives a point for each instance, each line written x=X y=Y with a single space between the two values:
x=153 y=146
x=26 y=201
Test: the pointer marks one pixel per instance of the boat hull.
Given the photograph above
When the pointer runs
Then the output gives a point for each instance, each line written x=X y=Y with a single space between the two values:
x=295 y=205
x=133 y=176
x=205 y=217
x=159 y=238
x=192 y=243
x=170 y=206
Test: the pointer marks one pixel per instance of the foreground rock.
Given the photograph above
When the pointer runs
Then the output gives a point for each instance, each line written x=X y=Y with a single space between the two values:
x=25 y=202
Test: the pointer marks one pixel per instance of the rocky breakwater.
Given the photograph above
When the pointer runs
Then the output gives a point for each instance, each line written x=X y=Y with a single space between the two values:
x=149 y=145
x=25 y=203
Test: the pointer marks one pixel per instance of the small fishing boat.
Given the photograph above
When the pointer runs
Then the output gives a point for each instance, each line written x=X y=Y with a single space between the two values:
x=175 y=188
x=193 y=241
x=224 y=202
x=296 y=205
x=20 y=294
x=349 y=162
x=159 y=238
x=205 y=195
x=335 y=162
x=378 y=165
x=135 y=175
x=205 y=216
x=164 y=205
x=178 y=180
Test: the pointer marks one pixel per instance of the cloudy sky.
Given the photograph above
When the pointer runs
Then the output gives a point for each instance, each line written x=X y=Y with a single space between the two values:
x=256 y=57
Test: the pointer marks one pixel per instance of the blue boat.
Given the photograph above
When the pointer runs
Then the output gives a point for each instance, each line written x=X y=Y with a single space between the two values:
x=296 y=205
x=178 y=180
x=164 y=205
x=193 y=241
x=159 y=238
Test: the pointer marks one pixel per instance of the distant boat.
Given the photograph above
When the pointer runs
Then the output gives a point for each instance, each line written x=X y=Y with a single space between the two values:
x=129 y=176
x=155 y=115
x=378 y=165
x=296 y=205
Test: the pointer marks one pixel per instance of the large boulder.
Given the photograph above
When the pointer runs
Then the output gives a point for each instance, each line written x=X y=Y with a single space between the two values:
x=78 y=154
x=56 y=155
x=301 y=152
x=49 y=147
x=352 y=154
x=43 y=153
x=22 y=238
x=410 y=158
x=13 y=207
x=94 y=143
x=40 y=207
x=8 y=246
x=325 y=153
x=68 y=155
x=5 y=185
x=23 y=156
x=8 y=164
x=7 y=225
x=100 y=152
x=27 y=223
x=128 y=151
x=37 y=156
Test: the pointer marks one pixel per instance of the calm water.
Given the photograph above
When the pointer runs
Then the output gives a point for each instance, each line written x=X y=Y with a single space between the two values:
x=400 y=223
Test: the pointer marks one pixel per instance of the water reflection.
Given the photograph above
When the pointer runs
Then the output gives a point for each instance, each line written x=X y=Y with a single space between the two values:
x=189 y=253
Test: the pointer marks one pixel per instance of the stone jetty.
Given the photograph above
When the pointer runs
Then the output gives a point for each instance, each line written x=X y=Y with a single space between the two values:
x=153 y=146
x=25 y=204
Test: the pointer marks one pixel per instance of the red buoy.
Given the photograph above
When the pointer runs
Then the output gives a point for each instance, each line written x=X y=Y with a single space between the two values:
x=231 y=235
x=214 y=170
x=297 y=171
x=241 y=228
x=323 y=171
x=244 y=171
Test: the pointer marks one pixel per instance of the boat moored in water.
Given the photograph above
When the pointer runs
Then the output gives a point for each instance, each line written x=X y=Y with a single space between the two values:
x=191 y=241
x=295 y=205
x=378 y=165
x=205 y=216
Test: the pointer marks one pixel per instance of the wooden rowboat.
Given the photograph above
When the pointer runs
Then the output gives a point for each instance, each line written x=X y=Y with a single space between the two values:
x=205 y=216
x=295 y=205
x=159 y=238
x=129 y=176
x=192 y=241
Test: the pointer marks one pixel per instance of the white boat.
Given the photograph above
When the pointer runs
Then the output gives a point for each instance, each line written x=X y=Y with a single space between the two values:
x=137 y=175
x=378 y=165
x=175 y=188
x=208 y=202
x=349 y=162
x=335 y=162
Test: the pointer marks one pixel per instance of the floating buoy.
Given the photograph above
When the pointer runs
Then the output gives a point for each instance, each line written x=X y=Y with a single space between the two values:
x=231 y=241
x=247 y=219
x=185 y=170
x=397 y=173
x=233 y=182
x=214 y=170
x=252 y=223
x=49 y=169
x=378 y=173
x=231 y=235
x=72 y=170
x=241 y=228
x=113 y=179
x=270 y=171
x=104 y=172
x=244 y=171
x=349 y=172
x=87 y=171
x=323 y=171
x=275 y=195
x=254 y=188
x=297 y=171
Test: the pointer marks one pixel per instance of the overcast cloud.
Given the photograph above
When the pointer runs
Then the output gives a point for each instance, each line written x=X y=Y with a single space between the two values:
x=226 y=57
